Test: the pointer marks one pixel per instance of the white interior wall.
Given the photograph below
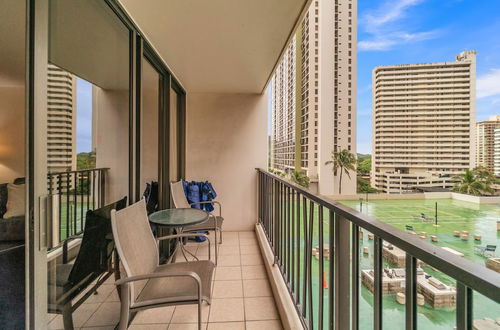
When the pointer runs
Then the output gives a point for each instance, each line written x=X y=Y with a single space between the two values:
x=12 y=133
x=226 y=140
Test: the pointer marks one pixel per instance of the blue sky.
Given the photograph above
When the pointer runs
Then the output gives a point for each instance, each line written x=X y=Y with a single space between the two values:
x=420 y=31
x=84 y=115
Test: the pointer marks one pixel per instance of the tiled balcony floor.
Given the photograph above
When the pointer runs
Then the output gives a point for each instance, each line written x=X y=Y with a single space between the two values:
x=242 y=297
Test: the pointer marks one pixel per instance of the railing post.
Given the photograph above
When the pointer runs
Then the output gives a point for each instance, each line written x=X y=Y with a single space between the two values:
x=464 y=307
x=355 y=277
x=377 y=285
x=342 y=273
x=411 y=292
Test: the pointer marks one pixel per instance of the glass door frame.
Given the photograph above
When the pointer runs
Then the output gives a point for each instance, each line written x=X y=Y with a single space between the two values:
x=37 y=12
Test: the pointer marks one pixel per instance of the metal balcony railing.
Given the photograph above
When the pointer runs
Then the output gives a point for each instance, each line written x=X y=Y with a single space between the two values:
x=326 y=292
x=73 y=194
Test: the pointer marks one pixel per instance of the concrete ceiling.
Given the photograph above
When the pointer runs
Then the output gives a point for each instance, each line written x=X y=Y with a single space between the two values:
x=224 y=46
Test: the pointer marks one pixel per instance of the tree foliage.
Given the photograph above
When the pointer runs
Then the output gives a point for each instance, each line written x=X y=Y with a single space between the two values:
x=343 y=161
x=363 y=186
x=85 y=160
x=475 y=182
x=300 y=178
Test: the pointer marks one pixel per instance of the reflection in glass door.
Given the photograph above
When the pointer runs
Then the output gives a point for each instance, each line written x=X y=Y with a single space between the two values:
x=12 y=164
x=84 y=109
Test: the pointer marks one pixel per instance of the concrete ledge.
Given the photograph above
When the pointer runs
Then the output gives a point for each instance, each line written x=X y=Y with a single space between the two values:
x=284 y=303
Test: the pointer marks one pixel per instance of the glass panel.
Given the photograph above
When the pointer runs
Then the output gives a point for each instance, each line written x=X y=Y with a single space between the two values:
x=149 y=123
x=87 y=150
x=12 y=164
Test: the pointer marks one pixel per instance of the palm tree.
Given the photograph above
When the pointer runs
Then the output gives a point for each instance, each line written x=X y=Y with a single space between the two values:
x=343 y=161
x=473 y=182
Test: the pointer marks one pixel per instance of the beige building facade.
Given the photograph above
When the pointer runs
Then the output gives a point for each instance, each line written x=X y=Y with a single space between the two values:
x=486 y=143
x=423 y=124
x=496 y=151
x=61 y=120
x=314 y=96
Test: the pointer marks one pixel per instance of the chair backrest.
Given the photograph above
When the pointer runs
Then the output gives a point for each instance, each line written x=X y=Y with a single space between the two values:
x=135 y=242
x=95 y=248
x=178 y=195
x=491 y=247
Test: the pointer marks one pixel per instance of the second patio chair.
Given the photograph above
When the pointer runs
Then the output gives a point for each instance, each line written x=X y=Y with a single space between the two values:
x=214 y=222
x=147 y=284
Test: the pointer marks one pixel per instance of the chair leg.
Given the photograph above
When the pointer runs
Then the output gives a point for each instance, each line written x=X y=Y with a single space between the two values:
x=124 y=307
x=216 y=246
x=199 y=315
x=220 y=231
x=67 y=315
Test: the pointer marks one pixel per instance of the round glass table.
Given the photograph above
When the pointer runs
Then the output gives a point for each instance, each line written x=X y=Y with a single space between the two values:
x=178 y=219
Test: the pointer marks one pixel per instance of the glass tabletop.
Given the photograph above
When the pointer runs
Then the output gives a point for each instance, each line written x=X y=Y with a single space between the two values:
x=178 y=217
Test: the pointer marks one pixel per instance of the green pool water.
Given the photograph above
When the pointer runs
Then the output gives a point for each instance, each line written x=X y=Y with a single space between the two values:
x=452 y=215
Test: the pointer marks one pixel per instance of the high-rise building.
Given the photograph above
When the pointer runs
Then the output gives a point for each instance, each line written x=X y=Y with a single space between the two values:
x=496 y=151
x=485 y=142
x=314 y=96
x=423 y=124
x=61 y=121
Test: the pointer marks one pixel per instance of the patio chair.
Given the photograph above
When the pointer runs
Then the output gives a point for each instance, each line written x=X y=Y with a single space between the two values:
x=487 y=251
x=67 y=281
x=147 y=284
x=214 y=222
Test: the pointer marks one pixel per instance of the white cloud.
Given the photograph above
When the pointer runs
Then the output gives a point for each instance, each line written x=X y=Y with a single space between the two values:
x=488 y=84
x=385 y=27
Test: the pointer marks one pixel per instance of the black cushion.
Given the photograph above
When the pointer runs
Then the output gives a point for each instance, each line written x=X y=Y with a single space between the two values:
x=3 y=199
x=95 y=249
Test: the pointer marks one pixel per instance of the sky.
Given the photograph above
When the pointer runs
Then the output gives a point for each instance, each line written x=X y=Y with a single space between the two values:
x=83 y=116
x=423 y=31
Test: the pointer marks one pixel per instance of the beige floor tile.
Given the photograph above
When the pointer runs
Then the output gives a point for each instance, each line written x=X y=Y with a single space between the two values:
x=227 y=326
x=228 y=289
x=186 y=326
x=148 y=327
x=110 y=327
x=246 y=234
x=229 y=250
x=251 y=260
x=80 y=316
x=261 y=325
x=161 y=315
x=257 y=288
x=253 y=272
x=261 y=308
x=250 y=249
x=189 y=313
x=248 y=241
x=230 y=238
x=113 y=297
x=102 y=294
x=233 y=260
x=107 y=314
x=227 y=310
x=227 y=273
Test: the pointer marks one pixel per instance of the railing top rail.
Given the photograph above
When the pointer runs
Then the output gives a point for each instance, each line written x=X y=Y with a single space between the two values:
x=80 y=171
x=480 y=279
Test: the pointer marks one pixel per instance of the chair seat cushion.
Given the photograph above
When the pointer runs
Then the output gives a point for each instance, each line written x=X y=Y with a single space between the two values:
x=207 y=225
x=178 y=289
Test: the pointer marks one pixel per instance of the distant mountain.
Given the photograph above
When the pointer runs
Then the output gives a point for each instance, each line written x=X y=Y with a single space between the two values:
x=362 y=157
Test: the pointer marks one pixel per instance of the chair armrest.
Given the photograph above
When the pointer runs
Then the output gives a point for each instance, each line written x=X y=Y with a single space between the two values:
x=149 y=276
x=209 y=202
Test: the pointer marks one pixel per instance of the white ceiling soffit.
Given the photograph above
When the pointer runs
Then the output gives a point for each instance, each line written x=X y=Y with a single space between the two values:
x=223 y=46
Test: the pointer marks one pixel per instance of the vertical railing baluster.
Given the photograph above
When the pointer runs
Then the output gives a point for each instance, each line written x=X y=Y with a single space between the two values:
x=309 y=264
x=287 y=235
x=93 y=189
x=333 y=253
x=68 y=209
x=342 y=272
x=75 y=200
x=411 y=293
x=82 y=203
x=355 y=277
x=297 y=238
x=378 y=287
x=292 y=244
x=321 y=266
x=306 y=259
x=464 y=311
